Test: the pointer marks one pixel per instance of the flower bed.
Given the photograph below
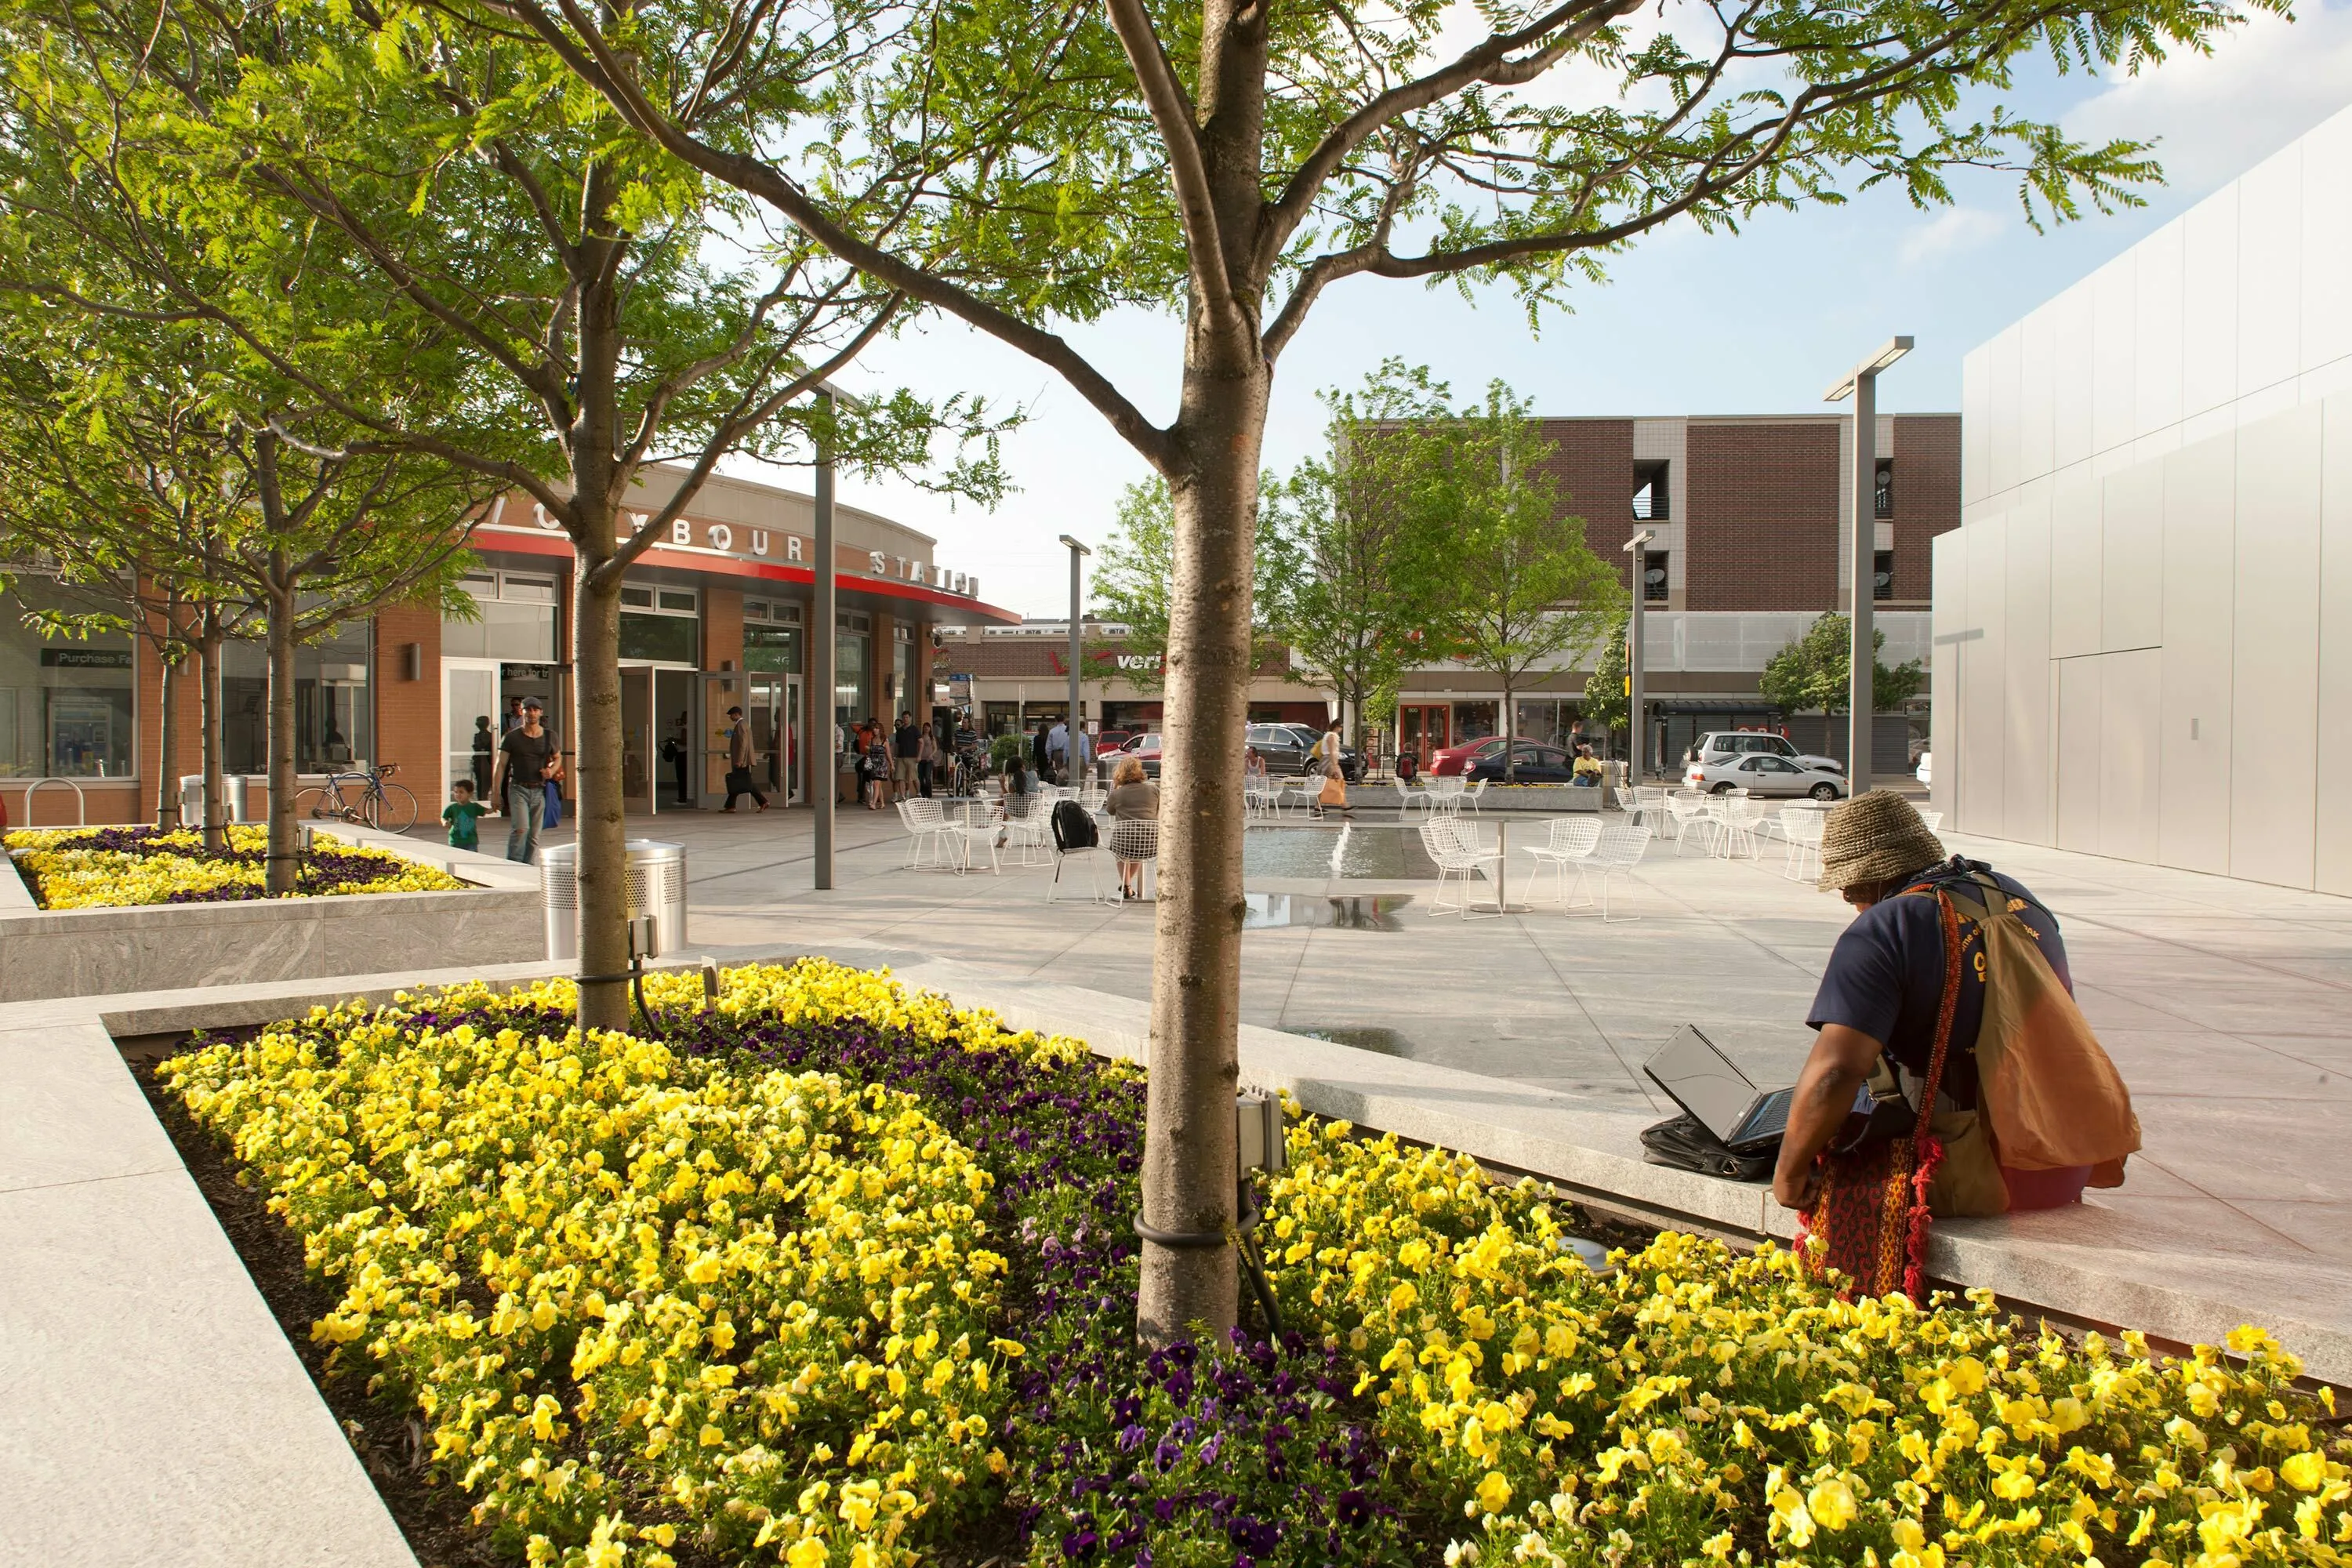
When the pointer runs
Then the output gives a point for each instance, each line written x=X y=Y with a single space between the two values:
x=843 y=1276
x=118 y=867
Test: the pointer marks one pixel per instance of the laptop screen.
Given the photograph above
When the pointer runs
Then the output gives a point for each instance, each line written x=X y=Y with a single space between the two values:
x=1703 y=1079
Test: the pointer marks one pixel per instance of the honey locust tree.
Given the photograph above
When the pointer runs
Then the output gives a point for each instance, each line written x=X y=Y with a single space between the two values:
x=190 y=466
x=360 y=170
x=1363 y=560
x=1022 y=167
x=1521 y=589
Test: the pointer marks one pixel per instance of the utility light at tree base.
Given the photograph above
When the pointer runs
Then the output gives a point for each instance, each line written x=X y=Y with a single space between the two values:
x=1861 y=383
x=1637 y=748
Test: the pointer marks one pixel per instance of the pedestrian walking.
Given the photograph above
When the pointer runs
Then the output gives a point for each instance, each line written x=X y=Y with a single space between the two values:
x=739 y=762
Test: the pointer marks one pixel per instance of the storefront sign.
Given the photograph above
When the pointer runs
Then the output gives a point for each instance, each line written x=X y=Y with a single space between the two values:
x=770 y=544
x=86 y=657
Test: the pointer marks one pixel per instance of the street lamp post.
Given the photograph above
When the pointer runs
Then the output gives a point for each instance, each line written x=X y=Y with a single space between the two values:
x=825 y=777
x=1862 y=703
x=1077 y=553
x=1639 y=732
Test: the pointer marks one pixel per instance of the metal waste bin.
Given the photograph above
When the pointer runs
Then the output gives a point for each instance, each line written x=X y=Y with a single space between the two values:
x=655 y=883
x=192 y=798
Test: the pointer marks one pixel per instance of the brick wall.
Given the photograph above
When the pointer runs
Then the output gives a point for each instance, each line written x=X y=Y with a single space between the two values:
x=408 y=712
x=1592 y=461
x=1927 y=496
x=1761 y=528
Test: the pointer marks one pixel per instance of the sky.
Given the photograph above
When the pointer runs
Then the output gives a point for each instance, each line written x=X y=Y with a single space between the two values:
x=1689 y=323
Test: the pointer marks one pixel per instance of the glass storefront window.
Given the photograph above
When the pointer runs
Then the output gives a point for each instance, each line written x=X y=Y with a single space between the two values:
x=661 y=625
x=772 y=636
x=517 y=618
x=902 y=671
x=335 y=715
x=853 y=687
x=1545 y=719
x=65 y=702
x=1474 y=721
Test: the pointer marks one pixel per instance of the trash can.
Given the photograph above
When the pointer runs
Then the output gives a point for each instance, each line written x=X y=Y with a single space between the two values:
x=192 y=798
x=655 y=883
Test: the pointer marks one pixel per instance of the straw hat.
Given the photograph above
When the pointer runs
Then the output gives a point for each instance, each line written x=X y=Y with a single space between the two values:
x=1874 y=837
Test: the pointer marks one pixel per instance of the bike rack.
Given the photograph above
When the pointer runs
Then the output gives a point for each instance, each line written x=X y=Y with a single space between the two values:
x=81 y=801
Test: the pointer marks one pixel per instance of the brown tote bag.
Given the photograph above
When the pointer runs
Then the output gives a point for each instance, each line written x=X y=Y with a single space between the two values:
x=2051 y=1098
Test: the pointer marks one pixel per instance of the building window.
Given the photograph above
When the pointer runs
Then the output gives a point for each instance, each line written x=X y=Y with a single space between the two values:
x=334 y=716
x=65 y=702
x=772 y=636
x=1654 y=576
x=1650 y=504
x=661 y=625
x=515 y=620
x=852 y=686
x=1882 y=500
x=1882 y=585
x=902 y=668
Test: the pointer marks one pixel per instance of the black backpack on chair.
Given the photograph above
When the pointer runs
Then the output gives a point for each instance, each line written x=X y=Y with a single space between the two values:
x=1073 y=827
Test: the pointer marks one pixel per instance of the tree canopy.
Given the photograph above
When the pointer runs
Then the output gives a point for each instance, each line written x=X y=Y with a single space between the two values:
x=1814 y=673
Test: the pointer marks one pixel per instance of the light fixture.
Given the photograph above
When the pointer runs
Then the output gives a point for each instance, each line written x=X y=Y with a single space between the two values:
x=1084 y=551
x=1638 y=540
x=1894 y=349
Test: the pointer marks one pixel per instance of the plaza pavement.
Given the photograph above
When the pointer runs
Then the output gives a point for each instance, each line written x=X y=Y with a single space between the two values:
x=2224 y=1003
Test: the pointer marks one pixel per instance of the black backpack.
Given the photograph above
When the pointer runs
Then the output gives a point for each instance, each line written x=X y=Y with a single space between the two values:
x=1073 y=828
x=1684 y=1144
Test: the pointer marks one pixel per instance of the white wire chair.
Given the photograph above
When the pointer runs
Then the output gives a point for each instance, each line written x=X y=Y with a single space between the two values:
x=1934 y=819
x=1650 y=800
x=1695 y=822
x=927 y=831
x=1030 y=829
x=976 y=826
x=1570 y=844
x=1135 y=841
x=1470 y=795
x=1257 y=797
x=1742 y=819
x=1412 y=795
x=1619 y=848
x=1802 y=830
x=1458 y=854
x=1093 y=855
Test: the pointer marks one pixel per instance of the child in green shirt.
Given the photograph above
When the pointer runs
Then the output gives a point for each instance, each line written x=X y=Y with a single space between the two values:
x=460 y=815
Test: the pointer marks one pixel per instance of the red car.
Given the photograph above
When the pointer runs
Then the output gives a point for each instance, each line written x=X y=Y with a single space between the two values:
x=1461 y=759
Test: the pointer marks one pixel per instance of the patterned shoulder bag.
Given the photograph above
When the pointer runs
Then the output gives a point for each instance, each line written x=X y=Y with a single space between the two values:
x=1869 y=1221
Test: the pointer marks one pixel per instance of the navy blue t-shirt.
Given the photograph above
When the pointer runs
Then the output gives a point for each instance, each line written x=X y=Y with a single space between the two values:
x=1885 y=977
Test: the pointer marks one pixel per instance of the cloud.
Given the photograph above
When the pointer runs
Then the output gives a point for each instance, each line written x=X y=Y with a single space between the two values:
x=2215 y=116
x=1949 y=232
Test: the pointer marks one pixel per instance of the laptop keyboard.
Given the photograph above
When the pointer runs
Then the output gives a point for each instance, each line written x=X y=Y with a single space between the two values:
x=1771 y=1118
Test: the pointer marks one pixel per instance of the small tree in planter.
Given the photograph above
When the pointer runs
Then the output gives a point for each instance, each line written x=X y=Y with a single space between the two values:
x=1814 y=673
x=1518 y=587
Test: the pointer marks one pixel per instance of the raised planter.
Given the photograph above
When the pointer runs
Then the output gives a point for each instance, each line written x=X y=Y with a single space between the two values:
x=1552 y=800
x=101 y=951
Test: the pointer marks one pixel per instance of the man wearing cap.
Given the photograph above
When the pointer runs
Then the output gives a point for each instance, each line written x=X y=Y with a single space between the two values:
x=522 y=789
x=1883 y=988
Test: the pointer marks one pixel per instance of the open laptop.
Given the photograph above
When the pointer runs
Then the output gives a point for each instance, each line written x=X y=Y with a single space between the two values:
x=1704 y=1081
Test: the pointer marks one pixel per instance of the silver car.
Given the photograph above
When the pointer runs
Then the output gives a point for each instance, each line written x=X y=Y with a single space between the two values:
x=1762 y=774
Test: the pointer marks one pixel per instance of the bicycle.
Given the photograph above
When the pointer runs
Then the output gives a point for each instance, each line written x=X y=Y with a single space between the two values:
x=371 y=802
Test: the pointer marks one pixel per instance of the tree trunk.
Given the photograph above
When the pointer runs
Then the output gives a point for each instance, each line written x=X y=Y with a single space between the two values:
x=597 y=811
x=167 y=738
x=1510 y=727
x=209 y=709
x=281 y=862
x=1187 y=1154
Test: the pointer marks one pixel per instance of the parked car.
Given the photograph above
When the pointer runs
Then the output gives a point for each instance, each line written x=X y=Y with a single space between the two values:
x=1719 y=745
x=1762 y=772
x=1447 y=761
x=1145 y=748
x=1538 y=764
x=1286 y=747
x=1111 y=740
x=1926 y=772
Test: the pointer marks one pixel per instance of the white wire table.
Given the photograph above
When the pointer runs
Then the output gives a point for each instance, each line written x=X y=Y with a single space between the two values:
x=1501 y=904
